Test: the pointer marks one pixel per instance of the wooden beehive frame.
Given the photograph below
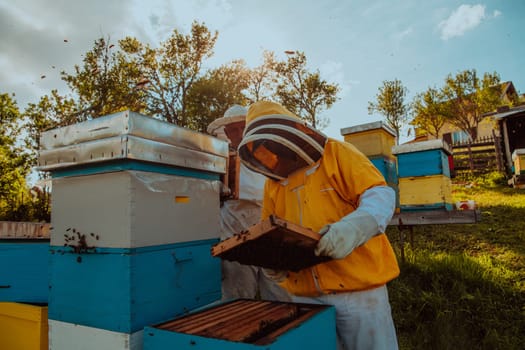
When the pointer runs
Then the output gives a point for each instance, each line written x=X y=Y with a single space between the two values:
x=249 y=321
x=273 y=243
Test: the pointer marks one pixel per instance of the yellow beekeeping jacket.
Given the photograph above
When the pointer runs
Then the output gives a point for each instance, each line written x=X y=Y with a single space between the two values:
x=321 y=194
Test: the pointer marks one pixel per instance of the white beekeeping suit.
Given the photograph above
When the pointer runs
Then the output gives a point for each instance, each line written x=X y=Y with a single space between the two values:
x=242 y=281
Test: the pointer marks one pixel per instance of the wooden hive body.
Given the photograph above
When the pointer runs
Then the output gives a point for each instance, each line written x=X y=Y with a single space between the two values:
x=372 y=139
x=425 y=193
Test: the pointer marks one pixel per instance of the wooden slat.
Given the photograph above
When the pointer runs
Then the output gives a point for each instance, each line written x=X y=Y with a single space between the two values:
x=242 y=327
x=434 y=217
x=199 y=316
x=207 y=321
x=270 y=337
x=19 y=230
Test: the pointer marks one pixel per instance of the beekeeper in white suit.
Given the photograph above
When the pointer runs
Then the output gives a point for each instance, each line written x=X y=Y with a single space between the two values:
x=242 y=281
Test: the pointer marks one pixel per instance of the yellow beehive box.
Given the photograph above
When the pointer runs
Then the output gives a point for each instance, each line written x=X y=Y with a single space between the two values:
x=425 y=193
x=23 y=326
x=518 y=157
x=373 y=139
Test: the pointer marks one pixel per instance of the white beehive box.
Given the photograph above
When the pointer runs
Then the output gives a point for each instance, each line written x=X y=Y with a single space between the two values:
x=128 y=209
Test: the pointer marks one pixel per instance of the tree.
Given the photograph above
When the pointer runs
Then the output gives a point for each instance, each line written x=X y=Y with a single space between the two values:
x=262 y=79
x=109 y=81
x=211 y=95
x=51 y=111
x=427 y=109
x=303 y=92
x=390 y=102
x=172 y=69
x=469 y=98
x=14 y=164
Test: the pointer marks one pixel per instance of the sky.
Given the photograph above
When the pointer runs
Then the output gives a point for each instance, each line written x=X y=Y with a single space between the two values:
x=357 y=44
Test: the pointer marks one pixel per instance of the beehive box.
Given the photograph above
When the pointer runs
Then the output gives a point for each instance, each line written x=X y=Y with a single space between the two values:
x=423 y=158
x=247 y=324
x=425 y=193
x=128 y=209
x=125 y=289
x=68 y=336
x=23 y=326
x=372 y=139
x=388 y=168
x=24 y=268
x=518 y=158
x=273 y=243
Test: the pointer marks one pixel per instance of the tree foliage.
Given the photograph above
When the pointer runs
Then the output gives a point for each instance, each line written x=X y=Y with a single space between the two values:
x=469 y=97
x=14 y=164
x=390 y=102
x=51 y=111
x=172 y=69
x=212 y=94
x=262 y=79
x=301 y=91
x=107 y=82
x=427 y=109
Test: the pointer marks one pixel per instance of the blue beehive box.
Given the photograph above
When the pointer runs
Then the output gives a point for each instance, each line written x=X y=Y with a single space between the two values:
x=24 y=270
x=248 y=324
x=424 y=158
x=125 y=289
x=388 y=168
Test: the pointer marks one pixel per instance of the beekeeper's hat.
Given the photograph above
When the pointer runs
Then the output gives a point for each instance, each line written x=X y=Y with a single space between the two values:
x=276 y=142
x=230 y=126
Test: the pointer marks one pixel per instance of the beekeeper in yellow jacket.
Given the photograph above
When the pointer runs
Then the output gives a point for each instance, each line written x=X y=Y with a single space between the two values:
x=332 y=188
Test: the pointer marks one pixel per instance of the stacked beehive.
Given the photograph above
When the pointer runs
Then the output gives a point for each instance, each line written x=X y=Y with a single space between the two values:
x=135 y=211
x=375 y=140
x=23 y=285
x=518 y=158
x=518 y=176
x=424 y=175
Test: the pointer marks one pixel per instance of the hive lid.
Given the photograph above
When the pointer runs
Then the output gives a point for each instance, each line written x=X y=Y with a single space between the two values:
x=367 y=127
x=131 y=123
x=273 y=243
x=422 y=146
x=129 y=147
x=129 y=135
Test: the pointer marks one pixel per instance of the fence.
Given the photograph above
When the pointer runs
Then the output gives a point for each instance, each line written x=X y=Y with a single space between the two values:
x=480 y=156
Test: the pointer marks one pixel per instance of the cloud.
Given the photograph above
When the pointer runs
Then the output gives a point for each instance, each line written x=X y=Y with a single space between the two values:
x=463 y=19
x=333 y=72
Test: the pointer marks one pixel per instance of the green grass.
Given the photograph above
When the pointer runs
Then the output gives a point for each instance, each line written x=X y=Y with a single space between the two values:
x=463 y=286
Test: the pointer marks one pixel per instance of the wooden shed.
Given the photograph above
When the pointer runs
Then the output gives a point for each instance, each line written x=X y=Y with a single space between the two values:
x=511 y=124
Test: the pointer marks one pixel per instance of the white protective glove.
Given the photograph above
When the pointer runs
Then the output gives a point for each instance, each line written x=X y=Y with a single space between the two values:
x=375 y=209
x=341 y=238
x=275 y=275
